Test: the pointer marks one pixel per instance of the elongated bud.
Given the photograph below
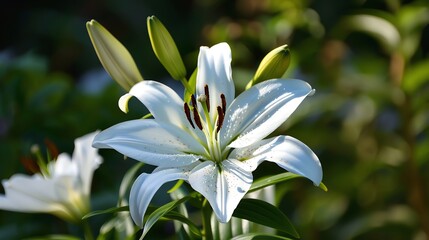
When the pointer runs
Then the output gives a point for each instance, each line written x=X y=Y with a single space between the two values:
x=114 y=57
x=165 y=49
x=274 y=65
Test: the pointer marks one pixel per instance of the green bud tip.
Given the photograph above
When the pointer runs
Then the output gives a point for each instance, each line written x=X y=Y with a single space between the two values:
x=274 y=64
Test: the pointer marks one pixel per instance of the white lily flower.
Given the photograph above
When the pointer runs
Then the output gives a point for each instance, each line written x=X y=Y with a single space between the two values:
x=215 y=142
x=64 y=192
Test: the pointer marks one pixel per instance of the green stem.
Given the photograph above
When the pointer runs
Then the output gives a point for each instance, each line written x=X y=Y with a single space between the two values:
x=87 y=230
x=207 y=213
x=185 y=83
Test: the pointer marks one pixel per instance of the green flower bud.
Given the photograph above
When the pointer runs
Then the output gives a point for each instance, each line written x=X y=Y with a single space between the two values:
x=274 y=65
x=114 y=57
x=165 y=49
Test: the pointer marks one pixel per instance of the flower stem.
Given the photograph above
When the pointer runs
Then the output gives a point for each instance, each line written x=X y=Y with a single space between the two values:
x=87 y=230
x=185 y=83
x=207 y=213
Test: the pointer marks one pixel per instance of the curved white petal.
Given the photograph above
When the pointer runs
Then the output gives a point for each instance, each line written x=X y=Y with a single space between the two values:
x=87 y=159
x=260 y=110
x=145 y=187
x=154 y=143
x=29 y=194
x=63 y=166
x=162 y=101
x=223 y=186
x=214 y=70
x=287 y=152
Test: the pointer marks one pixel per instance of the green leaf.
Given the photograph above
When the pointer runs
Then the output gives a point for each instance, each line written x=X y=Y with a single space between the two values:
x=415 y=76
x=110 y=210
x=54 y=237
x=259 y=236
x=268 y=181
x=127 y=180
x=161 y=212
x=264 y=213
x=192 y=85
x=176 y=186
x=173 y=215
x=376 y=26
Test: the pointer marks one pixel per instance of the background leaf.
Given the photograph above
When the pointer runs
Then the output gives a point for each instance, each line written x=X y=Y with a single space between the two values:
x=263 y=213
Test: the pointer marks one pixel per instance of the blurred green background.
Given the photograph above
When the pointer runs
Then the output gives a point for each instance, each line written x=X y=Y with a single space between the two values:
x=367 y=122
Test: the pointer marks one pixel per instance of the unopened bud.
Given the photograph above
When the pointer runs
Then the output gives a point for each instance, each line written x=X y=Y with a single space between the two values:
x=274 y=64
x=165 y=49
x=114 y=57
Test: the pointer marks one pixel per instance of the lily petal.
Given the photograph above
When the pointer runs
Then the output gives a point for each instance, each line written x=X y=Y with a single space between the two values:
x=145 y=187
x=87 y=159
x=29 y=194
x=152 y=142
x=287 y=152
x=260 y=110
x=162 y=101
x=223 y=186
x=214 y=70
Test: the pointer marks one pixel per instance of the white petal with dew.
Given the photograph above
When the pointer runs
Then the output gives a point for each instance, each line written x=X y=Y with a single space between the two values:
x=214 y=70
x=223 y=185
x=287 y=152
x=260 y=110
x=145 y=187
x=154 y=143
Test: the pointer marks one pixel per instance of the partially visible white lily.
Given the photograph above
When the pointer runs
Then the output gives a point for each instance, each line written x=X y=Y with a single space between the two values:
x=214 y=142
x=63 y=191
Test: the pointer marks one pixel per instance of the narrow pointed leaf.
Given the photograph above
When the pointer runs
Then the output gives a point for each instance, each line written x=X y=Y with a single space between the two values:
x=279 y=178
x=160 y=212
x=128 y=180
x=54 y=237
x=173 y=215
x=259 y=236
x=263 y=213
x=109 y=210
x=268 y=181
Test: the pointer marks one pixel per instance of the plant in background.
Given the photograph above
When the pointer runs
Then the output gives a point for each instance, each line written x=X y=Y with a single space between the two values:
x=62 y=188
x=214 y=141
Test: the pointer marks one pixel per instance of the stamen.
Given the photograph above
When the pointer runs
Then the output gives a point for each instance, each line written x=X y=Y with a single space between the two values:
x=193 y=101
x=220 y=118
x=188 y=114
x=222 y=97
x=197 y=119
x=196 y=114
x=206 y=92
